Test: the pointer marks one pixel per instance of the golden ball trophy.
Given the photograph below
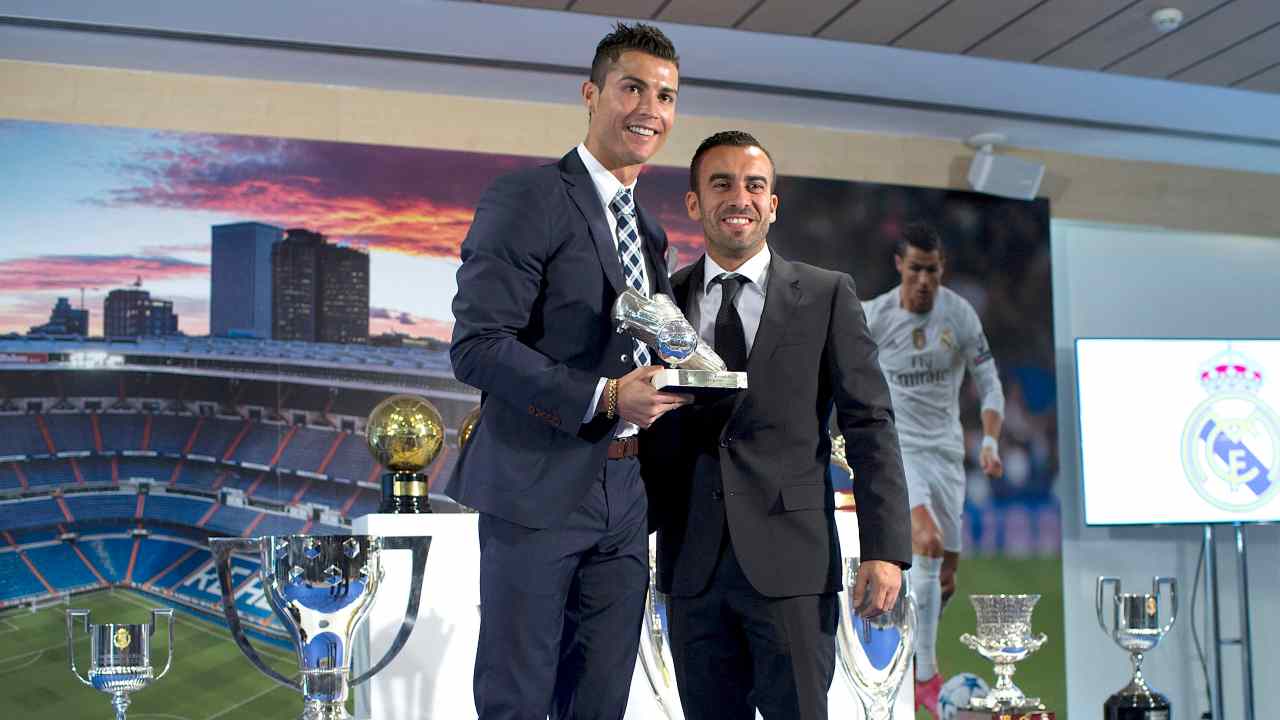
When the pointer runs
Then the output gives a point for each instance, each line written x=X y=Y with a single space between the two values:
x=405 y=434
x=468 y=426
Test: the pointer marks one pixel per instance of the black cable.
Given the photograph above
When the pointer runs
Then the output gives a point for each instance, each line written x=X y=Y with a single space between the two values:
x=1195 y=636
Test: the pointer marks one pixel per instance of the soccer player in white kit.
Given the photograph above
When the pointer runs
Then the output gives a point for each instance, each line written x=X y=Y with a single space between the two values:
x=928 y=336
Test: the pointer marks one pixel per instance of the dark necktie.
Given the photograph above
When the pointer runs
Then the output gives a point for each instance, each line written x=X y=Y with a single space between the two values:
x=624 y=211
x=731 y=341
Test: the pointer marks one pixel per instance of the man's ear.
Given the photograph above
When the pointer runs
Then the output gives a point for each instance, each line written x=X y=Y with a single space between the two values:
x=692 y=206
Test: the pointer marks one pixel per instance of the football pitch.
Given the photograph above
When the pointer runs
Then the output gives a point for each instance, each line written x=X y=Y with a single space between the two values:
x=209 y=679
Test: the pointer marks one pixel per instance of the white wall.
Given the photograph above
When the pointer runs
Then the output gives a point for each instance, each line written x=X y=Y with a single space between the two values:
x=1125 y=281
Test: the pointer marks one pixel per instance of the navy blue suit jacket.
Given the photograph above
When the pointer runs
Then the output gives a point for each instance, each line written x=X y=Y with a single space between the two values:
x=532 y=331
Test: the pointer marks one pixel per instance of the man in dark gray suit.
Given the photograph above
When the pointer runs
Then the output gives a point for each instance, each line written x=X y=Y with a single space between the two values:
x=747 y=545
x=552 y=466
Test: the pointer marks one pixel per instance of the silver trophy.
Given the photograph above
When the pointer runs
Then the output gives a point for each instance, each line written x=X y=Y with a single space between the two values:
x=119 y=655
x=1004 y=637
x=658 y=323
x=1136 y=627
x=875 y=652
x=655 y=646
x=321 y=587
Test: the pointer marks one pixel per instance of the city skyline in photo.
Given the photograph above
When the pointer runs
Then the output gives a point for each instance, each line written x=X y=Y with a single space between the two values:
x=97 y=208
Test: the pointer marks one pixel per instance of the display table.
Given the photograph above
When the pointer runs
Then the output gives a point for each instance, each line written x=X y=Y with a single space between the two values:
x=431 y=678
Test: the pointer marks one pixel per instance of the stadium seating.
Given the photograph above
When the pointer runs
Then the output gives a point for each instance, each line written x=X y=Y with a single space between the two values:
x=170 y=433
x=40 y=512
x=69 y=431
x=260 y=443
x=98 y=506
x=166 y=579
x=61 y=567
x=352 y=460
x=307 y=448
x=109 y=555
x=16 y=581
x=178 y=509
x=154 y=555
x=215 y=436
x=122 y=431
x=20 y=435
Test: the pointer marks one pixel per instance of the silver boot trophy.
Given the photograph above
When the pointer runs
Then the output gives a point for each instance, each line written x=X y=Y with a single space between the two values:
x=119 y=655
x=875 y=652
x=658 y=323
x=1004 y=637
x=1136 y=627
x=320 y=588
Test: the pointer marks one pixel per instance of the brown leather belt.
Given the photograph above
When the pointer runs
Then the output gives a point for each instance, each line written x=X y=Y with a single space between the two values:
x=624 y=447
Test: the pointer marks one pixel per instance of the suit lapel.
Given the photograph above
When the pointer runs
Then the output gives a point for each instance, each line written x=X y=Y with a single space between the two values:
x=687 y=294
x=780 y=301
x=584 y=195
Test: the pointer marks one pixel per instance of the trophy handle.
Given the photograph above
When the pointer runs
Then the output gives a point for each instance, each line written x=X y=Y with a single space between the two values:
x=222 y=549
x=970 y=641
x=419 y=546
x=72 y=615
x=1103 y=582
x=1035 y=643
x=166 y=613
x=1173 y=599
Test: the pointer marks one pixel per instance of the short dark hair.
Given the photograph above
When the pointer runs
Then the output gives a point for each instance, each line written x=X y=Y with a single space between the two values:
x=641 y=37
x=919 y=235
x=727 y=138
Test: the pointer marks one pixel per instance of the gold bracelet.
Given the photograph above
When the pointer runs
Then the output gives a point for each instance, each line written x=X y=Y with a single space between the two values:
x=611 y=399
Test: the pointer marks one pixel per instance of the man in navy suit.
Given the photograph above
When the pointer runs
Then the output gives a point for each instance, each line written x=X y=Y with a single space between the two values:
x=552 y=466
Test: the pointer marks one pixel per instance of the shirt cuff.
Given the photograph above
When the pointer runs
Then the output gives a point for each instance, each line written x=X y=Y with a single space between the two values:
x=595 y=401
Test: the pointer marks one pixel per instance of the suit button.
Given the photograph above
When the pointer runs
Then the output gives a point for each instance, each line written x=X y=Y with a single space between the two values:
x=622 y=357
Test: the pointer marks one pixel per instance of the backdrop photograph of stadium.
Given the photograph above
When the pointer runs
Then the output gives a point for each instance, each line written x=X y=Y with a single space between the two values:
x=193 y=329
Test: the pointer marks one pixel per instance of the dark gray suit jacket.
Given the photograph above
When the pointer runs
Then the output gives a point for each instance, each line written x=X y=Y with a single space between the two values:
x=532 y=330
x=758 y=463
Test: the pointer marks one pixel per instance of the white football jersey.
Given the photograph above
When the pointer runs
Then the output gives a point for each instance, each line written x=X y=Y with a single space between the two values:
x=923 y=357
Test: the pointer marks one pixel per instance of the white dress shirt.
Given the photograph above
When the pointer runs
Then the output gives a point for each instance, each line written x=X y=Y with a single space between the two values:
x=607 y=186
x=749 y=303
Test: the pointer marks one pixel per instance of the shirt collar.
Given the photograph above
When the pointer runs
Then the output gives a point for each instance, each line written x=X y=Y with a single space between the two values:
x=607 y=184
x=754 y=269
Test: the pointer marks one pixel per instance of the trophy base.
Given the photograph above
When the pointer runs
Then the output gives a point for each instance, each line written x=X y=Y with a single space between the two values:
x=404 y=493
x=1136 y=706
x=700 y=383
x=1010 y=714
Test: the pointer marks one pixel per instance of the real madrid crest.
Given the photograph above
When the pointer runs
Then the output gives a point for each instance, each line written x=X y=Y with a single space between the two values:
x=917 y=338
x=1231 y=442
x=948 y=338
x=121 y=639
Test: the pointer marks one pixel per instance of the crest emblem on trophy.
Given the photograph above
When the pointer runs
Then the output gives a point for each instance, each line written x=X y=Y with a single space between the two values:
x=1231 y=442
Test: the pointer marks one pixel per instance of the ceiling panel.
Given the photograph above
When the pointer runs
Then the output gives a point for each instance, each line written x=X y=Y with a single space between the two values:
x=619 y=8
x=706 y=12
x=547 y=4
x=879 y=21
x=959 y=25
x=1213 y=32
x=1266 y=81
x=1046 y=27
x=1240 y=61
x=1122 y=34
x=792 y=18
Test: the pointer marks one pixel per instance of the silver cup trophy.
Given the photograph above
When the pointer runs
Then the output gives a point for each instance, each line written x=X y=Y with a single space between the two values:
x=321 y=588
x=119 y=655
x=1136 y=627
x=655 y=645
x=875 y=652
x=1004 y=637
x=658 y=323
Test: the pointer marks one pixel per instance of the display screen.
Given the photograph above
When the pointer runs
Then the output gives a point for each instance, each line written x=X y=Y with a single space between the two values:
x=1179 y=431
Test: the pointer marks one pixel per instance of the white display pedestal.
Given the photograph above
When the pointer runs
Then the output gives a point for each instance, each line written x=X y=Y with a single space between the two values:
x=431 y=677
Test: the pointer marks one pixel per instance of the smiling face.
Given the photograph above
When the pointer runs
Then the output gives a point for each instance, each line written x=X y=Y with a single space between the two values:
x=631 y=114
x=734 y=202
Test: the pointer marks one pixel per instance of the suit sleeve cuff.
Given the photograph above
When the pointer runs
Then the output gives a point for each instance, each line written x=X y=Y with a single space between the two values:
x=595 y=402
